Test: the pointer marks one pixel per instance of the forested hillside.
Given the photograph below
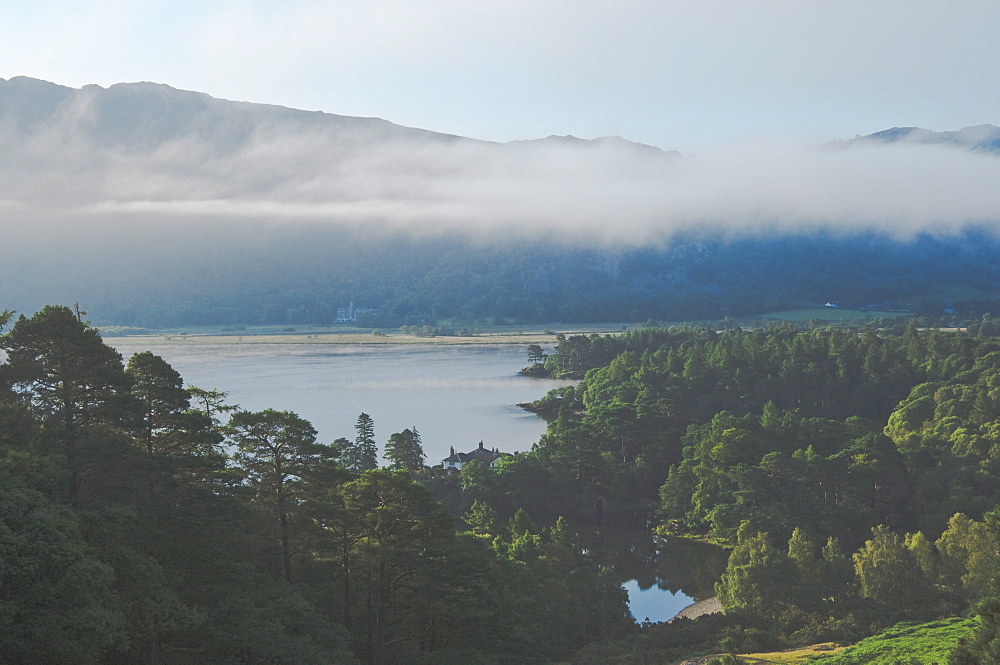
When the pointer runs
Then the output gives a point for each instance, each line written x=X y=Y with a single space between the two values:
x=249 y=274
x=145 y=521
x=851 y=473
x=157 y=207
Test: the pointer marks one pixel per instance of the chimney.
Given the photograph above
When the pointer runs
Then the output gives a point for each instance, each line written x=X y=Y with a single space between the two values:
x=480 y=445
x=453 y=451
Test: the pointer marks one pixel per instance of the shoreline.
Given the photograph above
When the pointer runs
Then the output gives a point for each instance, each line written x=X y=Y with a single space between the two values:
x=334 y=338
x=699 y=608
x=353 y=338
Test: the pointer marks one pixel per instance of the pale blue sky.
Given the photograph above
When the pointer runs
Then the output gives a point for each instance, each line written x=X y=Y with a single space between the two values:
x=682 y=75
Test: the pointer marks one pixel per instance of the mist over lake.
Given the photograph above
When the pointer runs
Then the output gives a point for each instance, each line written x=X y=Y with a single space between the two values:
x=456 y=395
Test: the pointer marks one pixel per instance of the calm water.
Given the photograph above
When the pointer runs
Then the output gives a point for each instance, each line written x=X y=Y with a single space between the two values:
x=662 y=576
x=653 y=603
x=454 y=395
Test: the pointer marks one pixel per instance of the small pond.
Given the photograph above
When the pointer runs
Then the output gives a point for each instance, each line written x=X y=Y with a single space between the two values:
x=662 y=575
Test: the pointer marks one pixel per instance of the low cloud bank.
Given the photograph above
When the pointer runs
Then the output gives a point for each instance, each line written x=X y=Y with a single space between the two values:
x=293 y=167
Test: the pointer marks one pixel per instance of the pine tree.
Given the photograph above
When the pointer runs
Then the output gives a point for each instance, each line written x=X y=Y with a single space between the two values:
x=404 y=451
x=482 y=518
x=277 y=450
x=77 y=385
x=361 y=454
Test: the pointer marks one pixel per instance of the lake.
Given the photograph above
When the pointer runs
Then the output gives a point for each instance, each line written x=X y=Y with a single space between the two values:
x=455 y=395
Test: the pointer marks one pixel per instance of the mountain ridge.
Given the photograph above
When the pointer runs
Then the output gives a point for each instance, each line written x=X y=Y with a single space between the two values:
x=157 y=206
x=57 y=95
x=26 y=102
x=984 y=137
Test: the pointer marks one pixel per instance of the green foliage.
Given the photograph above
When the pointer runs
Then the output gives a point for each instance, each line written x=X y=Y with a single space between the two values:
x=167 y=424
x=160 y=545
x=482 y=519
x=78 y=388
x=402 y=530
x=969 y=555
x=754 y=581
x=128 y=536
x=362 y=454
x=983 y=646
x=276 y=451
x=404 y=451
x=57 y=599
x=888 y=572
x=925 y=643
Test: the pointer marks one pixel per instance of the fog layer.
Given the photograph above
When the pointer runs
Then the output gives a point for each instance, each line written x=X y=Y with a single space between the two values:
x=149 y=154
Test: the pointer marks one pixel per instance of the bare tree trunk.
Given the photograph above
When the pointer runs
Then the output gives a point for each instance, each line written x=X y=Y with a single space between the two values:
x=286 y=547
x=345 y=562
x=381 y=608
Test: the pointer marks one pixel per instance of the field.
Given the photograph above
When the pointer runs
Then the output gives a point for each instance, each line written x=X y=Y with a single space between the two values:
x=338 y=334
x=924 y=643
x=793 y=656
x=827 y=314
x=913 y=644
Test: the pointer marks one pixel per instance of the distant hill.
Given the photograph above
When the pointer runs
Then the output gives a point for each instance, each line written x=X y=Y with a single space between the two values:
x=139 y=141
x=155 y=206
x=141 y=116
x=984 y=138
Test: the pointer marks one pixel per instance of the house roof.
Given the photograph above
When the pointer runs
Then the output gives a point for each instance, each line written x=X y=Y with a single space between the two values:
x=481 y=453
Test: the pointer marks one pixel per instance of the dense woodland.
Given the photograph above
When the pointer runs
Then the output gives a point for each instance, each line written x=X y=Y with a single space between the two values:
x=143 y=521
x=852 y=474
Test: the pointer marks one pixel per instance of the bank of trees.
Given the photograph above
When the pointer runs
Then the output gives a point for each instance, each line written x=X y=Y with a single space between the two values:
x=142 y=521
x=852 y=471
x=287 y=277
x=854 y=474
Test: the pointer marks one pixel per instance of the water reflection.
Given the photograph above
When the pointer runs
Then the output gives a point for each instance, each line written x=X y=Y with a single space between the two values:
x=662 y=575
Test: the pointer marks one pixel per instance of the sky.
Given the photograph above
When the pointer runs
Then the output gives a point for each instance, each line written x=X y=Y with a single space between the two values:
x=682 y=75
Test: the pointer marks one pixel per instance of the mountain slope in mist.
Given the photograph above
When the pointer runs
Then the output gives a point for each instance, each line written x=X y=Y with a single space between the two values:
x=148 y=148
x=146 y=145
x=156 y=206
x=981 y=138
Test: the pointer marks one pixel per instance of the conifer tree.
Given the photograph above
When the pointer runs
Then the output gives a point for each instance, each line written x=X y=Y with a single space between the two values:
x=404 y=451
x=482 y=518
x=277 y=450
x=76 y=384
x=362 y=454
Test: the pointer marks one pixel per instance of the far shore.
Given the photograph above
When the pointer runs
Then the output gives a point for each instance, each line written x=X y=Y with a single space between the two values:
x=547 y=336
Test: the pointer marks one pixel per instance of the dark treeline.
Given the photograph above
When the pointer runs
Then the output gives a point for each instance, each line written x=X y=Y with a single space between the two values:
x=302 y=275
x=142 y=521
